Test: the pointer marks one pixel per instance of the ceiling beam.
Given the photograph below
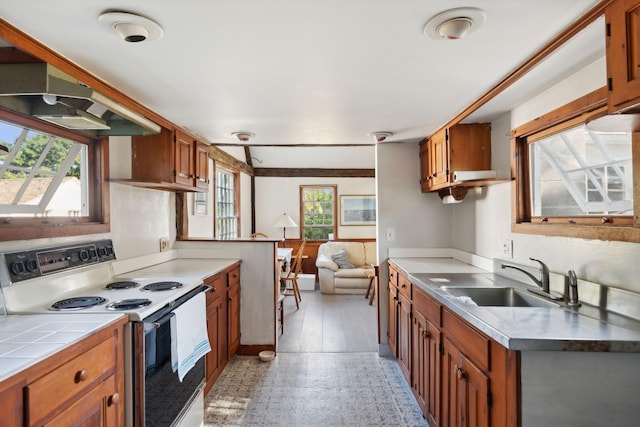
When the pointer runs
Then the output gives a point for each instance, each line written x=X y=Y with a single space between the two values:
x=217 y=155
x=314 y=173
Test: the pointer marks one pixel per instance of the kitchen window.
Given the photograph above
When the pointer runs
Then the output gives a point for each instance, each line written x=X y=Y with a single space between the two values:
x=227 y=209
x=318 y=212
x=50 y=181
x=574 y=177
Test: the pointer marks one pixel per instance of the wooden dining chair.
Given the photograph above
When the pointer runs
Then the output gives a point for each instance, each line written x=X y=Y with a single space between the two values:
x=289 y=279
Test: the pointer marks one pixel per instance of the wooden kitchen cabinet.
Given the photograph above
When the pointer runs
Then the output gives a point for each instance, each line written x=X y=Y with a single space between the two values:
x=462 y=147
x=79 y=386
x=223 y=321
x=622 y=19
x=459 y=376
x=403 y=331
x=171 y=160
x=392 y=327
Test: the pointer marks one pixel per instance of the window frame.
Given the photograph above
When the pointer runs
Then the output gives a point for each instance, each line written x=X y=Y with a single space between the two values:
x=333 y=188
x=46 y=227
x=605 y=227
x=236 y=202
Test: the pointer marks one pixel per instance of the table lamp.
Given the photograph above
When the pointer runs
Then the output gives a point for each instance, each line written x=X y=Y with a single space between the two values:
x=284 y=221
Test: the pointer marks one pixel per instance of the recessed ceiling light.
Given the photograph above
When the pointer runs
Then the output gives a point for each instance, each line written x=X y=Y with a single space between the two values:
x=243 y=136
x=454 y=24
x=380 y=136
x=130 y=27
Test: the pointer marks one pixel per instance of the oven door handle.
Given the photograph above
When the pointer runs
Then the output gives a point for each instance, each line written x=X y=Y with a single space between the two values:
x=161 y=321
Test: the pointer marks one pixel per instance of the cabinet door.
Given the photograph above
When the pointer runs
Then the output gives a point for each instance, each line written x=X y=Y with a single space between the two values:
x=425 y=177
x=97 y=408
x=184 y=159
x=393 y=319
x=202 y=165
x=404 y=336
x=234 y=320
x=215 y=359
x=439 y=154
x=425 y=365
x=465 y=391
x=623 y=53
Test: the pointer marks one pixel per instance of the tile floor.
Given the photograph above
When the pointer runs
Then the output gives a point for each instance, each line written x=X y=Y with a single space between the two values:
x=327 y=373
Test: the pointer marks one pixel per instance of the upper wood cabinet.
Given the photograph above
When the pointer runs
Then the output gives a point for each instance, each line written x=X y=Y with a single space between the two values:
x=623 y=55
x=171 y=160
x=462 y=147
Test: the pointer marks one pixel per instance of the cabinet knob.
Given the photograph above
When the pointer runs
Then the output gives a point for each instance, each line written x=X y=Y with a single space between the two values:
x=80 y=376
x=230 y=298
x=460 y=374
x=113 y=399
x=426 y=334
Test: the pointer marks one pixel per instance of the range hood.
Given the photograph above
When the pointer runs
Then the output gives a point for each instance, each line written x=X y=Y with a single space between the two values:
x=42 y=91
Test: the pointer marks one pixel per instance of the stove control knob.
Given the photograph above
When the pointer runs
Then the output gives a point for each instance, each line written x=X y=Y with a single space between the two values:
x=32 y=265
x=17 y=267
x=102 y=251
x=109 y=250
x=93 y=253
x=84 y=255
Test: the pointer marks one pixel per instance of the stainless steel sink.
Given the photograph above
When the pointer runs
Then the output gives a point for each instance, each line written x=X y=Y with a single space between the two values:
x=500 y=297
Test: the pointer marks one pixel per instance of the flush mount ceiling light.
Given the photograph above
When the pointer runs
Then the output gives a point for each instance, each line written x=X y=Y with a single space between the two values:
x=454 y=24
x=243 y=136
x=130 y=27
x=380 y=136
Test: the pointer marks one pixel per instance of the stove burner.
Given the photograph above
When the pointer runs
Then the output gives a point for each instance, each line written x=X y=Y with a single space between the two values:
x=121 y=285
x=128 y=304
x=77 y=303
x=161 y=286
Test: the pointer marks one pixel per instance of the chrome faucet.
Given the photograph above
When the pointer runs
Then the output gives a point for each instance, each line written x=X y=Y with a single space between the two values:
x=571 y=289
x=543 y=282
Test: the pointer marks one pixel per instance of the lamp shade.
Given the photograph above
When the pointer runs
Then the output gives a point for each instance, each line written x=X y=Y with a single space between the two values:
x=285 y=221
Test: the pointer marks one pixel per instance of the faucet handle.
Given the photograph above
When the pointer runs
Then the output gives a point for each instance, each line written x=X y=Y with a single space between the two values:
x=543 y=266
x=572 y=289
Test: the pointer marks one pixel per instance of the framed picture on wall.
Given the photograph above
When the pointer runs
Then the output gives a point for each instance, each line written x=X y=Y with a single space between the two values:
x=357 y=210
x=199 y=203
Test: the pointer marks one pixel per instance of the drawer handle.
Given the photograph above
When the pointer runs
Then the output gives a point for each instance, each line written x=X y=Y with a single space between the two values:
x=460 y=374
x=426 y=334
x=80 y=376
x=113 y=399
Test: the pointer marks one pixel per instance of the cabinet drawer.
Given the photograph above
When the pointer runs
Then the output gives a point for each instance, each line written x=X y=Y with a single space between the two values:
x=427 y=306
x=234 y=277
x=74 y=378
x=393 y=276
x=404 y=286
x=217 y=283
x=471 y=342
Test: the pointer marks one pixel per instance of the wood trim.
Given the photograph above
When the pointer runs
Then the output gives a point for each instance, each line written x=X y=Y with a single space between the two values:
x=621 y=234
x=253 y=350
x=218 y=155
x=315 y=173
x=182 y=216
x=573 y=29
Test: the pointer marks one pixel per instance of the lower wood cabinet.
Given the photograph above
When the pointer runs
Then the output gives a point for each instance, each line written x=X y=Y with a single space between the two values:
x=83 y=385
x=223 y=321
x=459 y=376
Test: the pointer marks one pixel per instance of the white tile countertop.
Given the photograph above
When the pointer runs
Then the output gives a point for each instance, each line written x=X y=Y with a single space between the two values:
x=26 y=339
x=520 y=328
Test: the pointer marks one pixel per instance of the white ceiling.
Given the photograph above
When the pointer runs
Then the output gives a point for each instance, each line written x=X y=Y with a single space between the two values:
x=307 y=71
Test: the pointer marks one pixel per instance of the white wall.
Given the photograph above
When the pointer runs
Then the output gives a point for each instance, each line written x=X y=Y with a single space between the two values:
x=485 y=216
x=274 y=196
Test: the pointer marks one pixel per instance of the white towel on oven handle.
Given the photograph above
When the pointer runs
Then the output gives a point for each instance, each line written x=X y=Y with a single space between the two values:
x=189 y=339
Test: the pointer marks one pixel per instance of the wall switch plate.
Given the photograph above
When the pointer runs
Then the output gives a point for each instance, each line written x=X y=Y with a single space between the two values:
x=391 y=234
x=506 y=248
x=164 y=244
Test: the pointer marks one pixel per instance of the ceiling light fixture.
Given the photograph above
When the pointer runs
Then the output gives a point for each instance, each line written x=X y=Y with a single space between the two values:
x=130 y=27
x=380 y=136
x=454 y=24
x=243 y=136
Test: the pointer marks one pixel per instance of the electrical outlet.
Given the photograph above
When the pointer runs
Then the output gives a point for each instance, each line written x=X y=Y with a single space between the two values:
x=164 y=244
x=506 y=248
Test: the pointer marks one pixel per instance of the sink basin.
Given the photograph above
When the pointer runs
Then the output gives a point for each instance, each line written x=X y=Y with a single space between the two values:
x=500 y=297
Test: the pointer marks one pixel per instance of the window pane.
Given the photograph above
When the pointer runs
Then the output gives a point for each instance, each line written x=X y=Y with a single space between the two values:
x=226 y=209
x=318 y=211
x=580 y=172
x=43 y=175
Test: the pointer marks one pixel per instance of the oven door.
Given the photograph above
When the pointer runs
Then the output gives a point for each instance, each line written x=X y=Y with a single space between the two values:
x=160 y=397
